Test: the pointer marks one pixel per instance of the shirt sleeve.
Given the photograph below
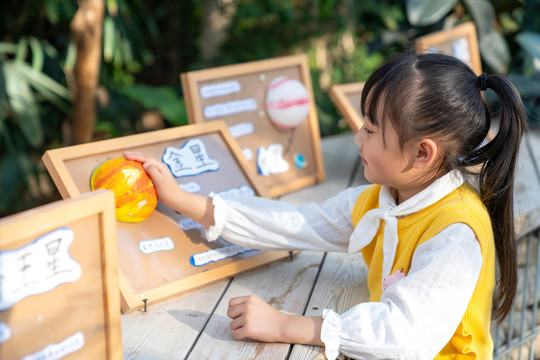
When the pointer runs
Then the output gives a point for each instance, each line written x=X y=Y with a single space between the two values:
x=265 y=224
x=417 y=315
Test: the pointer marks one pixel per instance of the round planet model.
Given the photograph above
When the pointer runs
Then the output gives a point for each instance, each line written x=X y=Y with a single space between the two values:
x=287 y=102
x=134 y=193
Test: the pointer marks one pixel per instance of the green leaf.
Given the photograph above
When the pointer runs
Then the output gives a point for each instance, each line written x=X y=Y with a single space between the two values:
x=108 y=38
x=162 y=98
x=71 y=57
x=484 y=16
x=35 y=77
x=9 y=179
x=8 y=48
x=493 y=47
x=52 y=11
x=37 y=54
x=22 y=50
x=530 y=42
x=495 y=52
x=23 y=104
x=427 y=12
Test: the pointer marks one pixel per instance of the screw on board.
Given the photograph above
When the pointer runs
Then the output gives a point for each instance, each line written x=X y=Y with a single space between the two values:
x=144 y=301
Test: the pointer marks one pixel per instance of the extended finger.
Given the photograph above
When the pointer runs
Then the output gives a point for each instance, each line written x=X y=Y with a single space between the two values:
x=134 y=155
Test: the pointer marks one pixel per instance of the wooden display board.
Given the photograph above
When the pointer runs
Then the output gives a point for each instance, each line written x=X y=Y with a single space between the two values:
x=245 y=96
x=347 y=98
x=59 y=293
x=460 y=41
x=161 y=256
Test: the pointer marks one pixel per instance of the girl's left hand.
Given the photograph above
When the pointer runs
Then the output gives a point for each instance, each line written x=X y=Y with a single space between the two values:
x=255 y=319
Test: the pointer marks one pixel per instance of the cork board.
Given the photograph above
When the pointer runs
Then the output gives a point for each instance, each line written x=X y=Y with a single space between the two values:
x=59 y=281
x=269 y=108
x=167 y=253
x=347 y=99
x=460 y=42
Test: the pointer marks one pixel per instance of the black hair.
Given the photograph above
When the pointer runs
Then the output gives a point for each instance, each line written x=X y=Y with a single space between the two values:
x=439 y=96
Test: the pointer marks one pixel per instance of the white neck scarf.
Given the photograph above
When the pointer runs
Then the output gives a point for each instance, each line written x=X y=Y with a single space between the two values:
x=388 y=211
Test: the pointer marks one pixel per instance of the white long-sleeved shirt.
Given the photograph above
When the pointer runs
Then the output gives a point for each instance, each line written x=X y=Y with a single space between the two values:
x=415 y=317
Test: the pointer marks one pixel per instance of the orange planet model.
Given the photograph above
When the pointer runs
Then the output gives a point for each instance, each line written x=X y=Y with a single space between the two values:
x=134 y=193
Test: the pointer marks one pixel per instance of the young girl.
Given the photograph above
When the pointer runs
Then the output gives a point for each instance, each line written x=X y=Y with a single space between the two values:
x=428 y=237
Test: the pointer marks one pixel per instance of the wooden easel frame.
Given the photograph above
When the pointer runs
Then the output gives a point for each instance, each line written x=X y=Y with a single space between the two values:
x=442 y=40
x=56 y=160
x=346 y=97
x=308 y=132
x=19 y=230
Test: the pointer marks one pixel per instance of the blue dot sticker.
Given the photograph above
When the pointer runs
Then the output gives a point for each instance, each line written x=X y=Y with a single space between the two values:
x=299 y=161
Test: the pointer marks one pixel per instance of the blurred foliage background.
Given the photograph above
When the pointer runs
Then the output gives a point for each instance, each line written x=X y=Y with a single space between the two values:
x=147 y=44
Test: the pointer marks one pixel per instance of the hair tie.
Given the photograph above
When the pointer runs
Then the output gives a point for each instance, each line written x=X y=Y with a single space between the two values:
x=483 y=82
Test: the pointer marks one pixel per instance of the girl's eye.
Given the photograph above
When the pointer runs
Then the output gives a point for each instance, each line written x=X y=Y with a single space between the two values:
x=368 y=130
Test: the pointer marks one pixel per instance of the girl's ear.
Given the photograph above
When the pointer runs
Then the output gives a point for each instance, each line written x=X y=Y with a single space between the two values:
x=426 y=152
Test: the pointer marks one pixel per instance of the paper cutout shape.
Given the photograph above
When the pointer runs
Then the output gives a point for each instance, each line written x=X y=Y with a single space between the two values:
x=218 y=254
x=57 y=351
x=5 y=332
x=37 y=267
x=155 y=245
x=287 y=102
x=270 y=161
x=229 y=108
x=241 y=129
x=191 y=159
x=220 y=89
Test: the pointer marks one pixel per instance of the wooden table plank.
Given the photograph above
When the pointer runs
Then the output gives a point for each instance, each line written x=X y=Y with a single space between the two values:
x=168 y=329
x=341 y=285
x=285 y=284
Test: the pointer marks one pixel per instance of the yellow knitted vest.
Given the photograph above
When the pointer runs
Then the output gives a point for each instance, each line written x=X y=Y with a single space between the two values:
x=472 y=339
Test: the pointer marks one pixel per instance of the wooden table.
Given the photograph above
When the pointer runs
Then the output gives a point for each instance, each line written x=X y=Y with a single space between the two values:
x=195 y=325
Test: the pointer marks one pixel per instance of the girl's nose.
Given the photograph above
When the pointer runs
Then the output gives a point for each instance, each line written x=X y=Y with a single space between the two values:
x=358 y=138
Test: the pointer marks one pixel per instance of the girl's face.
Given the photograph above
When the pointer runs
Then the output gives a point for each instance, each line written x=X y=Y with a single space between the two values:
x=386 y=165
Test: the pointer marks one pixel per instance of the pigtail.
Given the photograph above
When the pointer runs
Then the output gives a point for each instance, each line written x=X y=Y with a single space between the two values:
x=497 y=159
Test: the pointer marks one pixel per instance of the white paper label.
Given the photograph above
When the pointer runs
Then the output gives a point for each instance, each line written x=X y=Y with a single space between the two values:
x=218 y=254
x=460 y=49
x=241 y=129
x=220 y=89
x=248 y=154
x=241 y=191
x=229 y=108
x=155 y=245
x=191 y=187
x=270 y=161
x=190 y=159
x=188 y=224
x=5 y=332
x=57 y=351
x=37 y=267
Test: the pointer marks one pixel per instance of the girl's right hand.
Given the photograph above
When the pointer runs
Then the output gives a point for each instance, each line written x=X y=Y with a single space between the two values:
x=166 y=187
x=194 y=206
